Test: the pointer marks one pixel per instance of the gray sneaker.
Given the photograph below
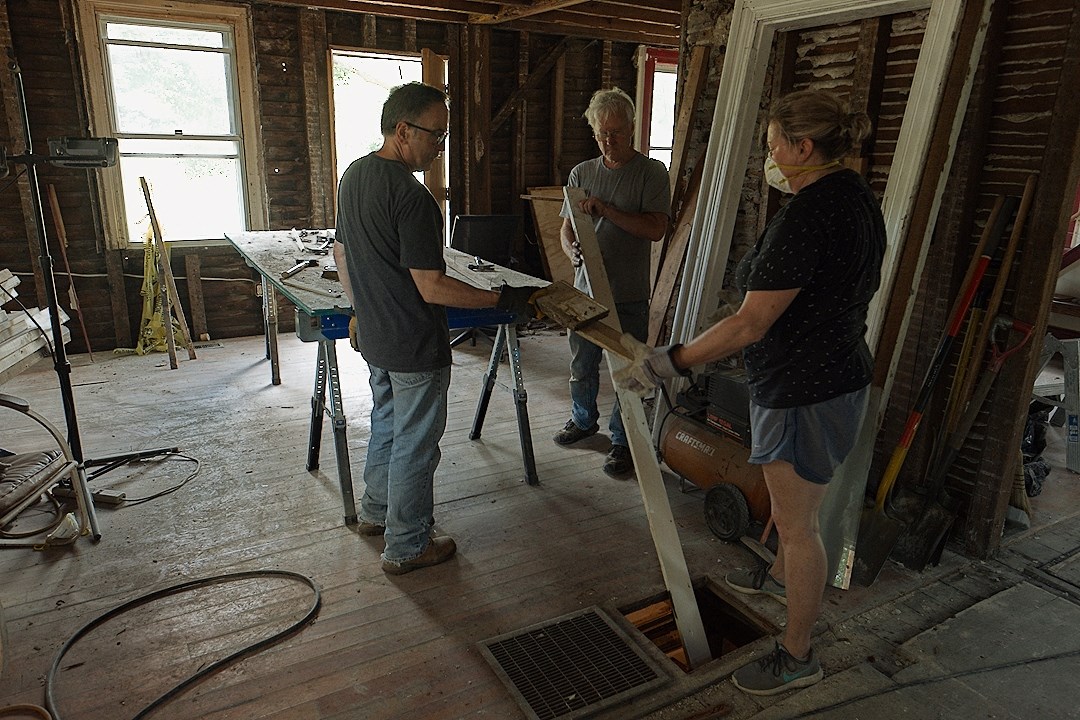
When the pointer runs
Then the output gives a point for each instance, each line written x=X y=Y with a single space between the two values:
x=757 y=582
x=777 y=672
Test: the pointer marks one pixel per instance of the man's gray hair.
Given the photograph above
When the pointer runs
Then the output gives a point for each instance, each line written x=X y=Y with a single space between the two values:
x=609 y=102
x=408 y=102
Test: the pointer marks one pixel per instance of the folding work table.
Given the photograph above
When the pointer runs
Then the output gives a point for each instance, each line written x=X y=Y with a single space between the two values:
x=322 y=316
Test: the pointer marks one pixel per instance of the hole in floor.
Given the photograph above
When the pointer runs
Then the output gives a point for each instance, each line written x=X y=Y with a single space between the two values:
x=727 y=627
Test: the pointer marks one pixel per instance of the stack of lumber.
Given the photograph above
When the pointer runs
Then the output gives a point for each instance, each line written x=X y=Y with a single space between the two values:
x=21 y=342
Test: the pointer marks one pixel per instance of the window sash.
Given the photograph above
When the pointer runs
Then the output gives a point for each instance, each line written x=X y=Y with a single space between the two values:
x=227 y=152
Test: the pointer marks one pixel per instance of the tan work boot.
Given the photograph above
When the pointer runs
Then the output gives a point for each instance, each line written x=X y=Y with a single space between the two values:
x=439 y=550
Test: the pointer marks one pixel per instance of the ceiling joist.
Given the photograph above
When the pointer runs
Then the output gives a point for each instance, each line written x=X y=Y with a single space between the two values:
x=513 y=12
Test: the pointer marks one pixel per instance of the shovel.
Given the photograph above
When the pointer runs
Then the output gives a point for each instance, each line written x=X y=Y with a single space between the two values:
x=878 y=532
x=923 y=539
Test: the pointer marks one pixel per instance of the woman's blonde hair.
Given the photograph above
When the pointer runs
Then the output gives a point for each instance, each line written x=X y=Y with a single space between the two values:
x=822 y=117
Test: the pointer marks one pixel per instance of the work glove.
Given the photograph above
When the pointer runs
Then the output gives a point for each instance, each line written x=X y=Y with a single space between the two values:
x=519 y=300
x=648 y=366
x=354 y=341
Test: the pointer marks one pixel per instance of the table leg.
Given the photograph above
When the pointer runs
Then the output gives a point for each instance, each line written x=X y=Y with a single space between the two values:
x=488 y=383
x=341 y=443
x=521 y=406
x=318 y=407
x=270 y=320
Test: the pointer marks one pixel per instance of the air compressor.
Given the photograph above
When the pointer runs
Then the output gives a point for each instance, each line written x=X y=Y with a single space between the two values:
x=705 y=439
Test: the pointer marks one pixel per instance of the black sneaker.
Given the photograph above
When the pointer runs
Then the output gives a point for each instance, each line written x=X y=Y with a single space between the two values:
x=619 y=462
x=777 y=672
x=571 y=433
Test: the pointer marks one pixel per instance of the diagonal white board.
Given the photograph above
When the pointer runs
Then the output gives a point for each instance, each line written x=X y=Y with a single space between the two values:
x=653 y=494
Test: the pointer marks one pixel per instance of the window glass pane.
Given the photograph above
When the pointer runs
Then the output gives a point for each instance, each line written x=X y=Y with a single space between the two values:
x=160 y=91
x=215 y=148
x=165 y=35
x=361 y=85
x=662 y=128
x=194 y=198
x=663 y=156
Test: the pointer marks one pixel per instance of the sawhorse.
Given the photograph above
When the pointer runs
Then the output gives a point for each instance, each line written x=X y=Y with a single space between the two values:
x=507 y=340
x=327 y=329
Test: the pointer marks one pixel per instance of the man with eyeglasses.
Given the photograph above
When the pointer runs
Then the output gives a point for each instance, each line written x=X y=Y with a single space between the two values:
x=389 y=253
x=629 y=199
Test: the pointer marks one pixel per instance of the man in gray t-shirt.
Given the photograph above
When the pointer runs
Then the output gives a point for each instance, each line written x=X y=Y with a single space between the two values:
x=629 y=199
x=389 y=254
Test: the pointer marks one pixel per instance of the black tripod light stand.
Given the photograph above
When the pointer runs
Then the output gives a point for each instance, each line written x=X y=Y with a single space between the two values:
x=75 y=153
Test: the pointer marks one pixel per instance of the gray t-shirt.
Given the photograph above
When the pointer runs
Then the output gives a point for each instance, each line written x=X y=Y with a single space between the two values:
x=389 y=223
x=639 y=186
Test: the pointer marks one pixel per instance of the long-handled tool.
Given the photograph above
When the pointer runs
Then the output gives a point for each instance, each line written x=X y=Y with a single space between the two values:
x=878 y=531
x=924 y=537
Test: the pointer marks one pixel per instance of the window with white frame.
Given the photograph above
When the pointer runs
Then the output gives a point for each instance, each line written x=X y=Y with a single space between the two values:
x=171 y=90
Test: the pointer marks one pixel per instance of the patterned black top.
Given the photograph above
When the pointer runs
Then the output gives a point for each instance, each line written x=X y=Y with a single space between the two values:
x=829 y=241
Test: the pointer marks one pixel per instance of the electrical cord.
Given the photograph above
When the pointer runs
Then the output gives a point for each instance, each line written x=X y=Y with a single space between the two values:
x=166 y=491
x=58 y=517
x=50 y=678
x=940 y=678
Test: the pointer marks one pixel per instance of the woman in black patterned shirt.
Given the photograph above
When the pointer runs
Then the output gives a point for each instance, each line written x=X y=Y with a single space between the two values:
x=807 y=284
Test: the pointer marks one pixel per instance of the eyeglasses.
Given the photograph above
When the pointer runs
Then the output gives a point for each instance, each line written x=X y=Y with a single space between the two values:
x=438 y=136
x=610 y=135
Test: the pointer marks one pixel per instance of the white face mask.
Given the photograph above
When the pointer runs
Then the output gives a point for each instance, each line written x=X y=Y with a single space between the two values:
x=777 y=179
x=775 y=176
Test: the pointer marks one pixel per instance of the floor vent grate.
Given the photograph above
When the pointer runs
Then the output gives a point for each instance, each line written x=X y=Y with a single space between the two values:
x=572 y=666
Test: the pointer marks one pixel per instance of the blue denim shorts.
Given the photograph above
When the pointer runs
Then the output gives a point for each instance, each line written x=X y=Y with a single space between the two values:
x=815 y=439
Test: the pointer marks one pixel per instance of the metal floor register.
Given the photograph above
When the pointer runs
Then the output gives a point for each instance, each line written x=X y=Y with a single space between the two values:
x=572 y=666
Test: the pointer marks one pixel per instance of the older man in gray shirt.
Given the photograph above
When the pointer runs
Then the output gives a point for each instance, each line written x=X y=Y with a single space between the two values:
x=629 y=199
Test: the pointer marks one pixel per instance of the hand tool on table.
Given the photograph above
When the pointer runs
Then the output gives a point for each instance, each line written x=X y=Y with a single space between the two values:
x=300 y=265
x=332 y=292
x=924 y=537
x=878 y=531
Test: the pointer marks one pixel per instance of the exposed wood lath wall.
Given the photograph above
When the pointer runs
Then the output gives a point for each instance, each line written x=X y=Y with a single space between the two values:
x=1016 y=112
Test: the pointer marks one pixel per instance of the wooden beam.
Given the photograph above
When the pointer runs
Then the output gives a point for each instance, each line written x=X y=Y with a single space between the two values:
x=693 y=84
x=193 y=273
x=520 y=125
x=605 y=65
x=477 y=106
x=114 y=267
x=512 y=12
x=868 y=77
x=532 y=80
x=783 y=79
x=650 y=481
x=369 y=31
x=674 y=257
x=318 y=116
x=14 y=117
x=558 y=109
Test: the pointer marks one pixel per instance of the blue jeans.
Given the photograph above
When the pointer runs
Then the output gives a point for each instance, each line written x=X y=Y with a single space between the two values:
x=408 y=417
x=585 y=371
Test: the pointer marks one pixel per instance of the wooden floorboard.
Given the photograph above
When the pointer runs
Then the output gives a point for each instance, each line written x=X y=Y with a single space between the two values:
x=381 y=647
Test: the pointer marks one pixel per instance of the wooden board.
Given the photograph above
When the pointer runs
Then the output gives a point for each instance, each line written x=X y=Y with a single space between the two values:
x=546 y=203
x=650 y=481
